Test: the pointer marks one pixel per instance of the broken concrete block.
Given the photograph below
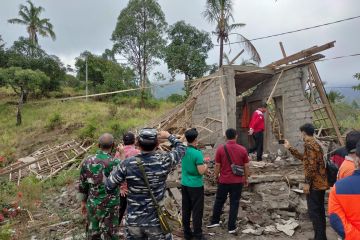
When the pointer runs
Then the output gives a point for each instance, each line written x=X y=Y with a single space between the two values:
x=288 y=227
x=265 y=178
x=270 y=229
x=274 y=195
x=256 y=232
x=287 y=214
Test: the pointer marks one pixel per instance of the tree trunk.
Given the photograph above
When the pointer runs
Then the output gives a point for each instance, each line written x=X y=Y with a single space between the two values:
x=18 y=113
x=221 y=51
x=187 y=85
x=222 y=34
x=143 y=86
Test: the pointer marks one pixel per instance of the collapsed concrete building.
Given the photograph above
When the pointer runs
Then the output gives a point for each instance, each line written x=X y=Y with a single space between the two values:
x=291 y=86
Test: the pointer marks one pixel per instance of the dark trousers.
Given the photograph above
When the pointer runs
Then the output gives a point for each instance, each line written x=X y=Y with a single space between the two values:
x=192 y=203
x=315 y=202
x=234 y=191
x=259 y=145
x=123 y=205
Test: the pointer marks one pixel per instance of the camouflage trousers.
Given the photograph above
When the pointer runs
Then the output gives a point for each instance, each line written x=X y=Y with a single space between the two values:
x=149 y=233
x=102 y=223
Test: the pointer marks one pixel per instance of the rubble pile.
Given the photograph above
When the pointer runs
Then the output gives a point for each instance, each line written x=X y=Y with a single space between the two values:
x=273 y=204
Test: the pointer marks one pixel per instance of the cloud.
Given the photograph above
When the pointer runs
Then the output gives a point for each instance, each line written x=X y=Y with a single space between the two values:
x=88 y=24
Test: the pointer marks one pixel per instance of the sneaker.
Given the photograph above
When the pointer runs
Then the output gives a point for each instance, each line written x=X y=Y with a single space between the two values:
x=212 y=225
x=233 y=231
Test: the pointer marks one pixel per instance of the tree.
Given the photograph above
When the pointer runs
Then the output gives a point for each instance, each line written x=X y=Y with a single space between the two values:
x=335 y=96
x=22 y=81
x=187 y=51
x=2 y=44
x=30 y=17
x=109 y=55
x=138 y=37
x=220 y=13
x=103 y=74
x=357 y=76
x=27 y=55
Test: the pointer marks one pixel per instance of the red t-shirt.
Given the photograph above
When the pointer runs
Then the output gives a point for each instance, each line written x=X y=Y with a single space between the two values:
x=238 y=155
x=257 y=122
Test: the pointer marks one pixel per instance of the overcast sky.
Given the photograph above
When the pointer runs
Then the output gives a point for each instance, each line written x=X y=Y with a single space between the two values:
x=87 y=25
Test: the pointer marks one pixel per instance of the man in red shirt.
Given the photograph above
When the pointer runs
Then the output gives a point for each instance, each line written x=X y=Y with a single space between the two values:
x=228 y=182
x=338 y=156
x=257 y=126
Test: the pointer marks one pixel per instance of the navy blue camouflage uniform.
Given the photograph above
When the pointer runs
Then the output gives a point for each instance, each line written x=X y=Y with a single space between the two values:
x=142 y=219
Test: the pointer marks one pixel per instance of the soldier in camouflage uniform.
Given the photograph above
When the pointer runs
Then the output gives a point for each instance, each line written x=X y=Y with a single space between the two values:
x=142 y=218
x=102 y=209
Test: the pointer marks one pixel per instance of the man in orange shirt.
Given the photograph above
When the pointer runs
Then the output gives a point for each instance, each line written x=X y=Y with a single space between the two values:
x=344 y=207
x=348 y=166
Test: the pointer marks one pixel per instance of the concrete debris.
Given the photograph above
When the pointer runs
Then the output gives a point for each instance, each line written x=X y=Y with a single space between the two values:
x=257 y=232
x=288 y=227
x=274 y=195
x=270 y=229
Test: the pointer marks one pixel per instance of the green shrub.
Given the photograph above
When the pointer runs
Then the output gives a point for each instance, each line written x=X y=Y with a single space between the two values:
x=8 y=192
x=5 y=232
x=88 y=131
x=176 y=98
x=117 y=129
x=62 y=179
x=113 y=110
x=30 y=189
x=54 y=121
x=151 y=103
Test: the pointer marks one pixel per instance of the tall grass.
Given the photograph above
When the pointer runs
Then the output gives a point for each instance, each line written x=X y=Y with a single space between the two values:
x=58 y=121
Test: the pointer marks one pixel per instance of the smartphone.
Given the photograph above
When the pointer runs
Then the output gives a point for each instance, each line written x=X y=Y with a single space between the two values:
x=282 y=141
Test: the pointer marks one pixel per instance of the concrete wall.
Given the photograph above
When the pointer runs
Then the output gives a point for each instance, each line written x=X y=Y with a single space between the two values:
x=296 y=108
x=209 y=104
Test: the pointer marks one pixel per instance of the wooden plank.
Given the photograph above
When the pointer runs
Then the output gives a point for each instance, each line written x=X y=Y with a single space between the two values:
x=176 y=195
x=236 y=57
x=274 y=88
x=325 y=101
x=282 y=49
x=302 y=54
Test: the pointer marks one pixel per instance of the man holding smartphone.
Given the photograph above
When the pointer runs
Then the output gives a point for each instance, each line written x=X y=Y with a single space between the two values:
x=315 y=178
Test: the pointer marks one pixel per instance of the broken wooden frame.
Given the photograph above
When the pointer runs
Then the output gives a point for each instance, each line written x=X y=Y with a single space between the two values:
x=47 y=161
x=179 y=119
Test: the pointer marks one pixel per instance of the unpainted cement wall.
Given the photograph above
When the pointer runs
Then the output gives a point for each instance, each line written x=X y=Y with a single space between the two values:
x=209 y=104
x=296 y=108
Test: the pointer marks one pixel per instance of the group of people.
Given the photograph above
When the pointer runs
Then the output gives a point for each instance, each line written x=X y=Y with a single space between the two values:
x=125 y=178
x=112 y=183
x=343 y=207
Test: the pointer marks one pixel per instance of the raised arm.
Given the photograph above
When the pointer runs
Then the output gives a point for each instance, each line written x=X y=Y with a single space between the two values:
x=293 y=151
x=175 y=155
x=117 y=176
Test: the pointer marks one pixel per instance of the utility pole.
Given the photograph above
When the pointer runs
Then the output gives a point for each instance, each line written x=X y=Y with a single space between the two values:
x=86 y=77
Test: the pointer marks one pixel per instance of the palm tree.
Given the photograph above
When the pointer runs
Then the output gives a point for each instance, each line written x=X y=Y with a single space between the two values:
x=30 y=16
x=220 y=13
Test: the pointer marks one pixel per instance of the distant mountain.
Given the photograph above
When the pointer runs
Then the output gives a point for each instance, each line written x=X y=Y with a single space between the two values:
x=177 y=87
x=349 y=93
x=164 y=92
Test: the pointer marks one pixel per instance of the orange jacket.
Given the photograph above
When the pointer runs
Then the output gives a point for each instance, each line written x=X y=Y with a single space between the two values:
x=344 y=207
x=347 y=168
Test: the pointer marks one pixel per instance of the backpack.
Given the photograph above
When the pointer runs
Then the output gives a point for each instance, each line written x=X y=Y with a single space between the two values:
x=331 y=172
x=330 y=167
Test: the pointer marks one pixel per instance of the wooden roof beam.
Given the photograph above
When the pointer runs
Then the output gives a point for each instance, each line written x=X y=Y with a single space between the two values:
x=302 y=54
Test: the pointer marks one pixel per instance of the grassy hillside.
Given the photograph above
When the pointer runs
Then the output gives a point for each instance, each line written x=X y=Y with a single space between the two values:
x=55 y=121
